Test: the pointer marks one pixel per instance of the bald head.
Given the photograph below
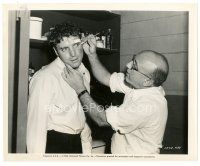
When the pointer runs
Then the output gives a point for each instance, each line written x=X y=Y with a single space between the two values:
x=156 y=64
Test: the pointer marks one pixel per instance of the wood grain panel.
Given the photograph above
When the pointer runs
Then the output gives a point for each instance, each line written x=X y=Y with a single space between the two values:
x=177 y=81
x=157 y=27
x=135 y=16
x=162 y=44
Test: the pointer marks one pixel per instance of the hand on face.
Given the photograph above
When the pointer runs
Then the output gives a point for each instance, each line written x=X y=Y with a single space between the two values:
x=90 y=46
x=74 y=79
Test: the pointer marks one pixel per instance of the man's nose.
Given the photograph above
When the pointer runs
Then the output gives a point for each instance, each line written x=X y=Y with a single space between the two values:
x=129 y=65
x=72 y=52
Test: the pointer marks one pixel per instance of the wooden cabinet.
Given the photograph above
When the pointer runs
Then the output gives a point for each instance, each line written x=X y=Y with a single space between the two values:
x=18 y=50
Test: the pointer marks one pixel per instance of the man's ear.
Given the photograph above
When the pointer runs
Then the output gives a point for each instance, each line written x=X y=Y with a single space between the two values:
x=55 y=51
x=148 y=82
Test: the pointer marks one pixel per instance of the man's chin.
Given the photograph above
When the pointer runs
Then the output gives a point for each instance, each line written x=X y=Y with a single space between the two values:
x=75 y=65
x=126 y=82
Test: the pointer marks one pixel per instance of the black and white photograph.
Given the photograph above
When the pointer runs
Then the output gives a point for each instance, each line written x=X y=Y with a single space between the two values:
x=99 y=82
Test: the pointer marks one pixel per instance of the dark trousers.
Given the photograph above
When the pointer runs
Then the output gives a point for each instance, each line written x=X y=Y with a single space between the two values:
x=63 y=143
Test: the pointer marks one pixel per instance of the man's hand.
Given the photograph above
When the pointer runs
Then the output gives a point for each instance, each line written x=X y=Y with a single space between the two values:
x=74 y=79
x=90 y=46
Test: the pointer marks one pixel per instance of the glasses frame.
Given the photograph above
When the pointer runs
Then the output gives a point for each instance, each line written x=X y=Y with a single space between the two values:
x=136 y=69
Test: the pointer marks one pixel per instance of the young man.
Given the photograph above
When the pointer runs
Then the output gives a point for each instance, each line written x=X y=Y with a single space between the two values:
x=56 y=121
x=140 y=121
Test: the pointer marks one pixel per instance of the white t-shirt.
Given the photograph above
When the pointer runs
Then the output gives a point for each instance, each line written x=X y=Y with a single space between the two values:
x=140 y=121
x=54 y=105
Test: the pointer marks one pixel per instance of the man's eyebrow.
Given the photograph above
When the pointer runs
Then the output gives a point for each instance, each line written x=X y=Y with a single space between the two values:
x=77 y=42
x=64 y=47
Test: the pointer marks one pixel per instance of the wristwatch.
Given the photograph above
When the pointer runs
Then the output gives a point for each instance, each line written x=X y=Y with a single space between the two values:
x=82 y=93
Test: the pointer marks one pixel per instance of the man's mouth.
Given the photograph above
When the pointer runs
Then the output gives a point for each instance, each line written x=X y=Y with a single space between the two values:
x=74 y=60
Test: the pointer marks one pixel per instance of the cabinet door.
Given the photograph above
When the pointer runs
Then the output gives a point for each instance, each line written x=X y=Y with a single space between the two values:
x=12 y=16
x=18 y=71
x=23 y=81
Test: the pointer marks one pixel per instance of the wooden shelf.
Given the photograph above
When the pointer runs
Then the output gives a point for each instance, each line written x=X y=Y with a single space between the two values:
x=34 y=43
x=106 y=51
x=96 y=15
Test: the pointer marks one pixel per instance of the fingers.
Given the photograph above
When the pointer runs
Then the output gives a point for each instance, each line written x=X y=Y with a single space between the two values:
x=83 y=40
x=92 y=41
x=66 y=70
x=90 y=38
x=85 y=46
x=64 y=76
x=69 y=69
x=90 y=46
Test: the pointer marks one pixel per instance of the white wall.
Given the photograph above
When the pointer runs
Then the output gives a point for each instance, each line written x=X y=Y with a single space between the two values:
x=165 y=32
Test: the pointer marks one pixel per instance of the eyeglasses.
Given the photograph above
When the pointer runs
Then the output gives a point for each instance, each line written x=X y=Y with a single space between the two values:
x=135 y=67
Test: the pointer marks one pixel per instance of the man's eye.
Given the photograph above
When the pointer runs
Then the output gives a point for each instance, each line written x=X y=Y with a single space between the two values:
x=76 y=45
x=64 y=49
x=134 y=66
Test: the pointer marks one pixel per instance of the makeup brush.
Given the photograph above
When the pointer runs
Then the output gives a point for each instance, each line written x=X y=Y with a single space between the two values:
x=88 y=38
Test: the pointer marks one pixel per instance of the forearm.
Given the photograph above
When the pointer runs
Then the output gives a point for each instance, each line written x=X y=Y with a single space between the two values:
x=99 y=71
x=95 y=111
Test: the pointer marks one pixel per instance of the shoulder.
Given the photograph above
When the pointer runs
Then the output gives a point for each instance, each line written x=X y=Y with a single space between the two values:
x=44 y=75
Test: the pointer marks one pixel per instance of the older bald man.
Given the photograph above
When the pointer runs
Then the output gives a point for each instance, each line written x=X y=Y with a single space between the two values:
x=141 y=119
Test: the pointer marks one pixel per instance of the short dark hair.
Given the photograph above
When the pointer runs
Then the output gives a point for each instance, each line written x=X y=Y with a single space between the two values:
x=159 y=76
x=59 y=31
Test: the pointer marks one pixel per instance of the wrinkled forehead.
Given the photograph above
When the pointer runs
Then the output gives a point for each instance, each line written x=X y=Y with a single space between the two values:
x=67 y=41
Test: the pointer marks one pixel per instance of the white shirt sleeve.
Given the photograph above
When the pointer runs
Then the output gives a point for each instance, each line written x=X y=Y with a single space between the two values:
x=86 y=140
x=117 y=83
x=126 y=120
x=40 y=96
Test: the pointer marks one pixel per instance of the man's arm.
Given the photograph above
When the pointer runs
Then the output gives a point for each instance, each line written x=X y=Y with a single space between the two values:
x=98 y=70
x=95 y=111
